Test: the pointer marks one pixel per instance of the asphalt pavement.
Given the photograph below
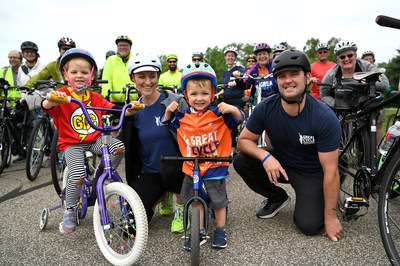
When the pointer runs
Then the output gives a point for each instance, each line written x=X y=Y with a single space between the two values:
x=251 y=241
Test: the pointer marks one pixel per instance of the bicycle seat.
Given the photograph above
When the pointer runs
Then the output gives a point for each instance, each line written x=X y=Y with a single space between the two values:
x=369 y=76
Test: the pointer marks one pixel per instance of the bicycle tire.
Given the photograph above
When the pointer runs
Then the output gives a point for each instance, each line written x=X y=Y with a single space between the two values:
x=388 y=209
x=35 y=149
x=5 y=148
x=195 y=237
x=58 y=165
x=125 y=241
x=352 y=177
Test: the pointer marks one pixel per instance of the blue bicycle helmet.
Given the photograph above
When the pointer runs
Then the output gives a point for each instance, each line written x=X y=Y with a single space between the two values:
x=198 y=70
x=78 y=53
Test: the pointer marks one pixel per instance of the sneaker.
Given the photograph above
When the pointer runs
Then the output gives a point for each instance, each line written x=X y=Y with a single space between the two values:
x=272 y=208
x=46 y=163
x=177 y=223
x=68 y=225
x=219 y=238
x=167 y=205
x=203 y=239
x=20 y=159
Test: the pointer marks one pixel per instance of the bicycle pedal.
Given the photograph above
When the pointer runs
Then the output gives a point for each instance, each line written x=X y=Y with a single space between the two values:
x=353 y=203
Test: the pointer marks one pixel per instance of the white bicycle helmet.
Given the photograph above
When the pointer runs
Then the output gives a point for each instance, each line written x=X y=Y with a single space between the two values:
x=144 y=62
x=368 y=53
x=230 y=49
x=322 y=46
x=279 y=48
x=345 y=46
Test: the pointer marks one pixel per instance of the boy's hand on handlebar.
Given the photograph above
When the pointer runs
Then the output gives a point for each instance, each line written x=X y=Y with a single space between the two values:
x=53 y=102
x=274 y=170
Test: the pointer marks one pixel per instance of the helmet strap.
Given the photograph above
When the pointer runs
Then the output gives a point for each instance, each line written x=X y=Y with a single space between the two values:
x=72 y=85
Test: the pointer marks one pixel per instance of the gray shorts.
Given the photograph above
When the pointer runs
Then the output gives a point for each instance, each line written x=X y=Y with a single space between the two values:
x=216 y=192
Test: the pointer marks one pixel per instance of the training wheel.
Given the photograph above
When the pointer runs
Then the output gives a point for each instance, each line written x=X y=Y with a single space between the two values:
x=44 y=218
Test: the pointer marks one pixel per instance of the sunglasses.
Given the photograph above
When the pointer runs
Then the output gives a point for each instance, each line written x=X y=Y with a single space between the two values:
x=323 y=52
x=65 y=48
x=342 y=57
x=172 y=61
x=196 y=59
x=251 y=61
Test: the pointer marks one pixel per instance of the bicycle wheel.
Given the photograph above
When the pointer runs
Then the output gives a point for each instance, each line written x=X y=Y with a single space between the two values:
x=195 y=237
x=58 y=165
x=125 y=240
x=5 y=148
x=35 y=149
x=353 y=181
x=389 y=209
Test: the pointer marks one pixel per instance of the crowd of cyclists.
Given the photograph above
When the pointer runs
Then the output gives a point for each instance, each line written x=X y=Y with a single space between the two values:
x=301 y=127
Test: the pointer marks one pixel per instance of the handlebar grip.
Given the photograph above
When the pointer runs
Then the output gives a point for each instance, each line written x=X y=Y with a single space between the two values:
x=138 y=107
x=386 y=21
x=40 y=82
x=54 y=98
x=101 y=81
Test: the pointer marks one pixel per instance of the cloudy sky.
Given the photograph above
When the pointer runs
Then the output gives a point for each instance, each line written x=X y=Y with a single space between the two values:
x=182 y=27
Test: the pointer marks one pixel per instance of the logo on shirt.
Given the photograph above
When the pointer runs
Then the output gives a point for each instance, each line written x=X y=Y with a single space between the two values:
x=80 y=125
x=306 y=140
x=158 y=121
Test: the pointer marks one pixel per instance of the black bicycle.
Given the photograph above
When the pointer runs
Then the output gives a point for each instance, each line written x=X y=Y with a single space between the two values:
x=13 y=137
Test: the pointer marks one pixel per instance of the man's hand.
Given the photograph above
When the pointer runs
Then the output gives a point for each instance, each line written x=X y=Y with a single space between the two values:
x=333 y=229
x=274 y=169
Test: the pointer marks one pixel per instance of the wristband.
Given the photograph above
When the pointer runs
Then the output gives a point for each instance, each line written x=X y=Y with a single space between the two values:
x=265 y=158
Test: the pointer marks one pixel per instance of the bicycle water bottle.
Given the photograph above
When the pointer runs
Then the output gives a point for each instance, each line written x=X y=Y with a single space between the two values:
x=392 y=133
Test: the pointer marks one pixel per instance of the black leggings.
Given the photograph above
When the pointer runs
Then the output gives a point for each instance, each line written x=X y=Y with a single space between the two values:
x=309 y=207
x=151 y=186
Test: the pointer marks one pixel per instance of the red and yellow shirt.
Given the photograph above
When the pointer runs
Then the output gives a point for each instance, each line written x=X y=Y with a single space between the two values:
x=70 y=120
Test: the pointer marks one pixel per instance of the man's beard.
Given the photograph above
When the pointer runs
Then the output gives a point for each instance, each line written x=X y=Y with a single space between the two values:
x=172 y=68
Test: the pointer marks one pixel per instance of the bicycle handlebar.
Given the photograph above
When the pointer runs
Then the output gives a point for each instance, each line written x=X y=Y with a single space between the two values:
x=68 y=99
x=199 y=159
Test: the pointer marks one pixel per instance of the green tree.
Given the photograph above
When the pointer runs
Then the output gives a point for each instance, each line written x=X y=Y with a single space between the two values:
x=393 y=70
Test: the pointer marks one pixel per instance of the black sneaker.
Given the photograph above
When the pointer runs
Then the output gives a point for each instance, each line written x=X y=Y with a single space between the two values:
x=203 y=239
x=20 y=159
x=272 y=208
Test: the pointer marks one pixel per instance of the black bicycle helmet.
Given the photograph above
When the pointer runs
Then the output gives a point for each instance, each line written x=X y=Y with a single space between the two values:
x=291 y=60
x=66 y=41
x=110 y=53
x=29 y=45
x=198 y=54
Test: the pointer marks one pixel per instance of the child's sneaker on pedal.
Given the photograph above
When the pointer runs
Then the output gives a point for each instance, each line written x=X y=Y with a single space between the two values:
x=177 y=223
x=68 y=225
x=219 y=238
x=203 y=239
x=167 y=205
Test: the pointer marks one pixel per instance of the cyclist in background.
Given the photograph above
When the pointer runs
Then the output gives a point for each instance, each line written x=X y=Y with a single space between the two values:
x=346 y=53
x=305 y=150
x=199 y=83
x=108 y=54
x=251 y=61
x=197 y=57
x=10 y=73
x=232 y=93
x=319 y=68
x=52 y=69
x=172 y=76
x=116 y=71
x=146 y=139
x=368 y=56
x=277 y=50
x=268 y=85
x=32 y=64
